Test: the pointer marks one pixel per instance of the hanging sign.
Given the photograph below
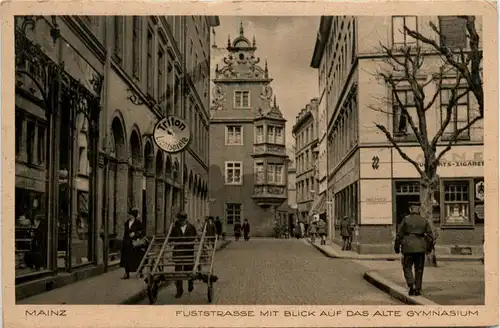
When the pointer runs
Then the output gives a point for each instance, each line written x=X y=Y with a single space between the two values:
x=171 y=134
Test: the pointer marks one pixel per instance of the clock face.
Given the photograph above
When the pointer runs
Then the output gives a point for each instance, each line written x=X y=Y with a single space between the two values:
x=172 y=134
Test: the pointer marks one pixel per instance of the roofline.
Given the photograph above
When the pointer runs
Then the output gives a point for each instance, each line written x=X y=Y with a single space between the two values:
x=321 y=39
x=301 y=121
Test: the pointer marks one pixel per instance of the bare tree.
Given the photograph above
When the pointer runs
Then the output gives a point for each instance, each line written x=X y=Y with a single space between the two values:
x=406 y=67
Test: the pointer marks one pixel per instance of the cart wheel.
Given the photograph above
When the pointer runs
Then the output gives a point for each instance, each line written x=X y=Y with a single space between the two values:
x=152 y=289
x=210 y=292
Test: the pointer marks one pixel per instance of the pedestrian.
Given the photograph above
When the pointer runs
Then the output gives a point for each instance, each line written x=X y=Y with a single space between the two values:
x=414 y=239
x=134 y=243
x=211 y=230
x=36 y=258
x=345 y=232
x=321 y=230
x=349 y=240
x=301 y=229
x=246 y=230
x=185 y=234
x=218 y=227
x=237 y=231
x=199 y=227
x=312 y=231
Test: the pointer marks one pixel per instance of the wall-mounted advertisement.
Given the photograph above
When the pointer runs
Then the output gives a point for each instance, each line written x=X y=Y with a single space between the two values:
x=376 y=201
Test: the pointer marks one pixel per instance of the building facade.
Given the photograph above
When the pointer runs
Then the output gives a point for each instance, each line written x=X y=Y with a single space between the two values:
x=368 y=181
x=305 y=132
x=84 y=148
x=248 y=161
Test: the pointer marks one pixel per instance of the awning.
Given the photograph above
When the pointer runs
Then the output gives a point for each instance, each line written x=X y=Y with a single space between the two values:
x=319 y=205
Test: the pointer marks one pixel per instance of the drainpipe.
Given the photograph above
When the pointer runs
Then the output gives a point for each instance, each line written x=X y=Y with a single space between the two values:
x=107 y=71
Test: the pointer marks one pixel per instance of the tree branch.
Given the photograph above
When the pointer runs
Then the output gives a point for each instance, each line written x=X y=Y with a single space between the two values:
x=454 y=139
x=398 y=148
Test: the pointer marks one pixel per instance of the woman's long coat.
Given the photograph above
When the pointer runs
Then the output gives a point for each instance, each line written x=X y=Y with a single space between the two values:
x=131 y=256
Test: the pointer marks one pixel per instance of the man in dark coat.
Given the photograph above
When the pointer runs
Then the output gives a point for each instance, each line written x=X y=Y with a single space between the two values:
x=211 y=230
x=246 y=230
x=185 y=234
x=218 y=227
x=131 y=255
x=345 y=232
x=237 y=231
x=414 y=239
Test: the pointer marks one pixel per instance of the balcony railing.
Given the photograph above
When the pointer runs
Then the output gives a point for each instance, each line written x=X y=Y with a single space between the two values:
x=263 y=149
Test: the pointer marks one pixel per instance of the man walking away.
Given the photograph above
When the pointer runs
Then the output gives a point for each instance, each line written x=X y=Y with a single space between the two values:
x=218 y=227
x=246 y=230
x=414 y=239
x=322 y=231
x=185 y=234
x=237 y=231
x=345 y=232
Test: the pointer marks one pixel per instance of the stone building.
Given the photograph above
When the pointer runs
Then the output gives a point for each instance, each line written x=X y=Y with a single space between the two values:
x=84 y=148
x=305 y=132
x=367 y=179
x=248 y=161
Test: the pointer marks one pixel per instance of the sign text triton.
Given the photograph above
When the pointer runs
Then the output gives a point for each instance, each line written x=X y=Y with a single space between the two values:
x=171 y=134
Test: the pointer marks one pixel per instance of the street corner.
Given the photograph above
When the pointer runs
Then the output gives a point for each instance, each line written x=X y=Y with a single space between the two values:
x=325 y=250
x=395 y=290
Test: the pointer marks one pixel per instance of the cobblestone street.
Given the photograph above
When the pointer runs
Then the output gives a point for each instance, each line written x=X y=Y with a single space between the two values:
x=282 y=272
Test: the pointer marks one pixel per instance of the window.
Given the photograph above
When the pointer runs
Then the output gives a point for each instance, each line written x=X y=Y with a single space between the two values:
x=259 y=172
x=259 y=133
x=149 y=72
x=401 y=124
x=234 y=173
x=270 y=173
x=40 y=145
x=161 y=73
x=242 y=99
x=275 y=134
x=233 y=213
x=456 y=202
x=118 y=31
x=399 y=36
x=234 y=135
x=279 y=134
x=30 y=141
x=459 y=113
x=136 y=46
x=453 y=32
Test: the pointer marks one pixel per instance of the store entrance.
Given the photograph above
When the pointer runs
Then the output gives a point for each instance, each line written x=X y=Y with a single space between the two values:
x=402 y=206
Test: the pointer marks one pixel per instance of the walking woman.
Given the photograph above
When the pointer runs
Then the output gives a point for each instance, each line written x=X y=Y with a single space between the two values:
x=246 y=230
x=312 y=231
x=134 y=244
x=237 y=231
x=321 y=230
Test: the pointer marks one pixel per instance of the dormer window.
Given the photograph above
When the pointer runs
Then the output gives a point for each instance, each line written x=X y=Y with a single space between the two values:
x=241 y=99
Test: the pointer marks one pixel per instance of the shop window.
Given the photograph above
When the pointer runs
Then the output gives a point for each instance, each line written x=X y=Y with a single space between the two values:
x=31 y=231
x=456 y=203
x=233 y=213
x=479 y=201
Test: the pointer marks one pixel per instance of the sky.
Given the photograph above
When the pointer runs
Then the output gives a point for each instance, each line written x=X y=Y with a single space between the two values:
x=287 y=43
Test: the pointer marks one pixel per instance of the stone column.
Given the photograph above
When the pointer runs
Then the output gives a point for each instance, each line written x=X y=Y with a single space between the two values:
x=160 y=198
x=137 y=175
x=121 y=199
x=150 y=203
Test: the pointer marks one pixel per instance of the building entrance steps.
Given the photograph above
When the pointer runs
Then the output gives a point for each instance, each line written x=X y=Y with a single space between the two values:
x=106 y=288
x=335 y=251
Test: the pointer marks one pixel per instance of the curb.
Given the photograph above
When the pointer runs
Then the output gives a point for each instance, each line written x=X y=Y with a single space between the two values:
x=442 y=258
x=143 y=293
x=395 y=290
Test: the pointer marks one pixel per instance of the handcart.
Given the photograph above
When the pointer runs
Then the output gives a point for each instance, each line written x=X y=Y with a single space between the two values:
x=170 y=258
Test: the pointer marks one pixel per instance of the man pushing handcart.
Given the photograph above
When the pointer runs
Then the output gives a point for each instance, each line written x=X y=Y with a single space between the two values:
x=182 y=255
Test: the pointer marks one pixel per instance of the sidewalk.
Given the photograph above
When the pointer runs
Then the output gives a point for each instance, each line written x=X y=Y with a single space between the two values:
x=106 y=288
x=451 y=283
x=333 y=250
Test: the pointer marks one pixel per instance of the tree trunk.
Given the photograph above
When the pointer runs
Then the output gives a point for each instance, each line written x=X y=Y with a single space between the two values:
x=428 y=188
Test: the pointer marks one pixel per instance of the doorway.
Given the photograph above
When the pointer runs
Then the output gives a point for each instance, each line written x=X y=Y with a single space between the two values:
x=406 y=192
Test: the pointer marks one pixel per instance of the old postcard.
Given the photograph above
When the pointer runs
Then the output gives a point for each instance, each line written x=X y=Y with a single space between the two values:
x=249 y=164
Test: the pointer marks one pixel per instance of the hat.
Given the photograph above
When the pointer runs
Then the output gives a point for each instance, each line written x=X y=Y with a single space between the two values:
x=133 y=211
x=181 y=216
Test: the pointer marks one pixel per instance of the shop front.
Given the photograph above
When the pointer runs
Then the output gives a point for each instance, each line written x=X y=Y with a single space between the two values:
x=57 y=114
x=388 y=183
